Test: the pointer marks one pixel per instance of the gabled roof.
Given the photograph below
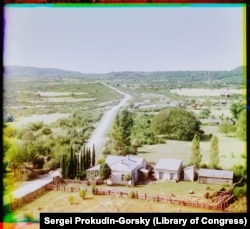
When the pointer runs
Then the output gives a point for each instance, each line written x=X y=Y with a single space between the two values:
x=189 y=167
x=111 y=159
x=124 y=163
x=121 y=163
x=216 y=173
x=168 y=164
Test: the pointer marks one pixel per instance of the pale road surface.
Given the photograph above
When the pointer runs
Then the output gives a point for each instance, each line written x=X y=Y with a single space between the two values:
x=98 y=137
x=32 y=186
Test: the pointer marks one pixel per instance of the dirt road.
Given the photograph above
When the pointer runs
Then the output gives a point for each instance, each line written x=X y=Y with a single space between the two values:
x=98 y=137
x=32 y=186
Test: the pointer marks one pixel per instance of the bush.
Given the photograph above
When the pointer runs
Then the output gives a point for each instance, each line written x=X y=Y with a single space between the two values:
x=83 y=193
x=206 y=195
x=240 y=191
x=71 y=199
x=93 y=188
x=131 y=194
x=28 y=216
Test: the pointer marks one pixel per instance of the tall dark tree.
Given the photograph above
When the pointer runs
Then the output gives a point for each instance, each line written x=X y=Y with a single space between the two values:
x=88 y=158
x=93 y=156
x=83 y=162
x=64 y=166
x=72 y=165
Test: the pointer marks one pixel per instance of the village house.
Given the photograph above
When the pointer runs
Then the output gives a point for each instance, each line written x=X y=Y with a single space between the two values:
x=121 y=166
x=168 y=169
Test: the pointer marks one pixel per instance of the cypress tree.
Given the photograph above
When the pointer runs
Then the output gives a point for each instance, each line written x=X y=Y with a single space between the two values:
x=196 y=152
x=71 y=166
x=214 y=153
x=88 y=158
x=64 y=166
x=93 y=156
x=83 y=160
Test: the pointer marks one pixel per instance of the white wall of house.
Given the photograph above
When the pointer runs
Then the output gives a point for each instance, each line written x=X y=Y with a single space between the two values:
x=189 y=173
x=167 y=175
x=116 y=178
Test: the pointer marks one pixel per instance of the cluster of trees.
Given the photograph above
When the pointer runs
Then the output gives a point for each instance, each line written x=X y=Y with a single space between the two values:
x=133 y=130
x=75 y=164
x=237 y=123
x=38 y=148
x=176 y=123
x=130 y=131
x=196 y=156
x=240 y=170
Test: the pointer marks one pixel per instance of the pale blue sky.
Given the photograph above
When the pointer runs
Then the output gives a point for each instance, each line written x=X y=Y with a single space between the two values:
x=105 y=39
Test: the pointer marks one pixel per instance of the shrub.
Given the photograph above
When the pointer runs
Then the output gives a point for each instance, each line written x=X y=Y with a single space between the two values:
x=240 y=191
x=93 y=188
x=71 y=199
x=83 y=193
x=206 y=195
x=28 y=216
x=131 y=194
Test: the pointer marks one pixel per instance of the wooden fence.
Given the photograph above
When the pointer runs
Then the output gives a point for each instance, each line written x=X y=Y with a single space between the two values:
x=18 y=202
x=217 y=204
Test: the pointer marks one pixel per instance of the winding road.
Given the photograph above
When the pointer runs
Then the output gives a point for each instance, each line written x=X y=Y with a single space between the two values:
x=98 y=137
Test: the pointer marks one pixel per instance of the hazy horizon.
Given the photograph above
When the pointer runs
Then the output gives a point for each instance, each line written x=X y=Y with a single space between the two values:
x=116 y=39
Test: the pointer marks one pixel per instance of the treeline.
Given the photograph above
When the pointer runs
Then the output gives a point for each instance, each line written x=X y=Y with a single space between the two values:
x=235 y=76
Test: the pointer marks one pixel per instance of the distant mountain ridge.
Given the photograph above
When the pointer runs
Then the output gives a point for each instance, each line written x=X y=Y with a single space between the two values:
x=232 y=76
x=13 y=70
x=16 y=70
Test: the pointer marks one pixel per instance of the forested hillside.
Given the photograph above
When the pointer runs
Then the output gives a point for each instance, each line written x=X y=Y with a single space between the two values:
x=233 y=77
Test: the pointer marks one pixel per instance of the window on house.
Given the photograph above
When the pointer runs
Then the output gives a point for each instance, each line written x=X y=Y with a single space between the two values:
x=123 y=177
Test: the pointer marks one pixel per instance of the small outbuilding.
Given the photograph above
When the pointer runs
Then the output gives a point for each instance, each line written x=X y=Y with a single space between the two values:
x=189 y=173
x=213 y=176
x=168 y=169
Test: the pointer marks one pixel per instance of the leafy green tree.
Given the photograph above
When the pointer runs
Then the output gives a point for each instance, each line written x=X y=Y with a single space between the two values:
x=196 y=155
x=176 y=123
x=241 y=126
x=236 y=109
x=240 y=170
x=105 y=171
x=204 y=113
x=121 y=132
x=226 y=127
x=214 y=153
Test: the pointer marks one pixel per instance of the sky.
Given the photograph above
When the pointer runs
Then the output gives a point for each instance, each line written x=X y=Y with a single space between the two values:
x=106 y=39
